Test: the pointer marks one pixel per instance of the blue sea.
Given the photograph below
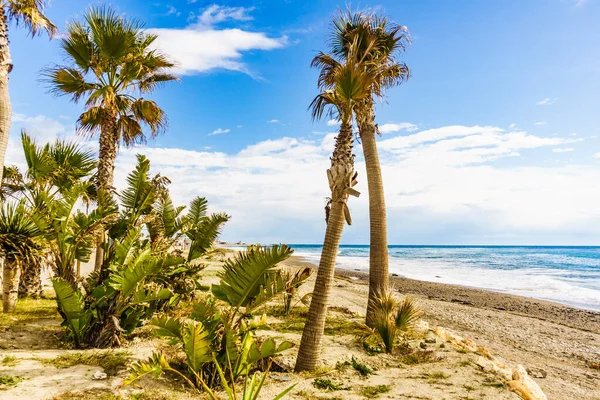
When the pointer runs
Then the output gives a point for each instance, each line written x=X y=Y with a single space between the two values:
x=568 y=275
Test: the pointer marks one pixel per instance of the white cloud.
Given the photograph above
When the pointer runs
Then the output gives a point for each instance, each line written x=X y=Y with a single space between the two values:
x=540 y=123
x=512 y=126
x=403 y=126
x=442 y=186
x=202 y=47
x=333 y=122
x=572 y=134
x=273 y=121
x=219 y=131
x=216 y=14
x=563 y=149
x=547 y=101
x=239 y=126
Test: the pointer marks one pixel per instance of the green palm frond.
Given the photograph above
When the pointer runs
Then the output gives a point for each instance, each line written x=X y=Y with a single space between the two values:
x=12 y=183
x=244 y=277
x=19 y=234
x=140 y=193
x=30 y=13
x=111 y=61
x=167 y=327
x=204 y=235
x=196 y=345
x=40 y=163
x=72 y=305
x=69 y=81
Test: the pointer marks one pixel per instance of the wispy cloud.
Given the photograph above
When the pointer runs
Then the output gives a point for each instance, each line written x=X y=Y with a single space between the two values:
x=273 y=121
x=547 y=101
x=333 y=122
x=216 y=14
x=539 y=123
x=563 y=150
x=512 y=126
x=202 y=46
x=403 y=126
x=219 y=131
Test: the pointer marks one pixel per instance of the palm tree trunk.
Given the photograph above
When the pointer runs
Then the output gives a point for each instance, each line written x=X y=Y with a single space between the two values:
x=11 y=273
x=106 y=170
x=341 y=180
x=5 y=108
x=30 y=284
x=378 y=252
x=312 y=335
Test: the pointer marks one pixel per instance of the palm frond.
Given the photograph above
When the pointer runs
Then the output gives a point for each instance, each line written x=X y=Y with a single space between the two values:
x=30 y=13
x=204 y=235
x=244 y=277
x=196 y=345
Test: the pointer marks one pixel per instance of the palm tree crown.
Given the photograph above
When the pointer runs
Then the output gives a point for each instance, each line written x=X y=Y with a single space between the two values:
x=111 y=60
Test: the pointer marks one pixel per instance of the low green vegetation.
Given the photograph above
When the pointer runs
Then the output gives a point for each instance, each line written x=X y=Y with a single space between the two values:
x=9 y=361
x=435 y=375
x=374 y=391
x=418 y=356
x=10 y=380
x=391 y=320
x=107 y=395
x=218 y=338
x=29 y=310
x=110 y=361
x=362 y=369
x=329 y=385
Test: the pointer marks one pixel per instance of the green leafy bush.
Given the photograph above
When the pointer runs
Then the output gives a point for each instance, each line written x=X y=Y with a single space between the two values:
x=219 y=338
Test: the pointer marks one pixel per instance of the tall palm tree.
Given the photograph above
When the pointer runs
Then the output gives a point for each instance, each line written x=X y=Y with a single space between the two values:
x=350 y=86
x=29 y=13
x=111 y=65
x=18 y=244
x=374 y=43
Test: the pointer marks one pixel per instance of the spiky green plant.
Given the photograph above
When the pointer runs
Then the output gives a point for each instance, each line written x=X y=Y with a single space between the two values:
x=19 y=243
x=391 y=319
x=219 y=338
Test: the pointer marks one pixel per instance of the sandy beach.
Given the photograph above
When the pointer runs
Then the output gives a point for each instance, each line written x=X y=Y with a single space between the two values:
x=550 y=339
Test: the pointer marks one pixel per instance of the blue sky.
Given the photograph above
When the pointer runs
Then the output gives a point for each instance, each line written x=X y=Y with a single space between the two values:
x=492 y=140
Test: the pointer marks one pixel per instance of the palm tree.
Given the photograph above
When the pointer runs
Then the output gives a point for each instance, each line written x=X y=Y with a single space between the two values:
x=374 y=44
x=28 y=12
x=18 y=244
x=349 y=85
x=111 y=66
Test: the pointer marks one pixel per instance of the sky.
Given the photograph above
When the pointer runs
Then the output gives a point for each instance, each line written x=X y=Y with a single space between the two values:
x=493 y=139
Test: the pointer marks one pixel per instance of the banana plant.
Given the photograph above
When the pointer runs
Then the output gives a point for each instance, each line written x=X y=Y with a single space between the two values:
x=219 y=338
x=140 y=274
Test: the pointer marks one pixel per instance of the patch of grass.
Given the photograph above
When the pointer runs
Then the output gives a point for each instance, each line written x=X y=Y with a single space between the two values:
x=462 y=350
x=492 y=383
x=328 y=384
x=436 y=375
x=374 y=391
x=296 y=319
x=109 y=361
x=29 y=310
x=10 y=380
x=363 y=369
x=107 y=395
x=413 y=357
x=465 y=363
x=10 y=361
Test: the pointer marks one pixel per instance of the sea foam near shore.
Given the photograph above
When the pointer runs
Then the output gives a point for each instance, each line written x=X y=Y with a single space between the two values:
x=568 y=275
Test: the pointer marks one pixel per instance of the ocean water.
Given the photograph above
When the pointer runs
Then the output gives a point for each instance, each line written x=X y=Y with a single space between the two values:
x=568 y=275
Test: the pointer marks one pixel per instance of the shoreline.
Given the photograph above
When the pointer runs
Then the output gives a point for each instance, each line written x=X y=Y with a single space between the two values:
x=559 y=344
x=563 y=314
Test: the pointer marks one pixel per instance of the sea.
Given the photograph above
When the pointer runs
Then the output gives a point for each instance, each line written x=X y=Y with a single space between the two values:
x=567 y=275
